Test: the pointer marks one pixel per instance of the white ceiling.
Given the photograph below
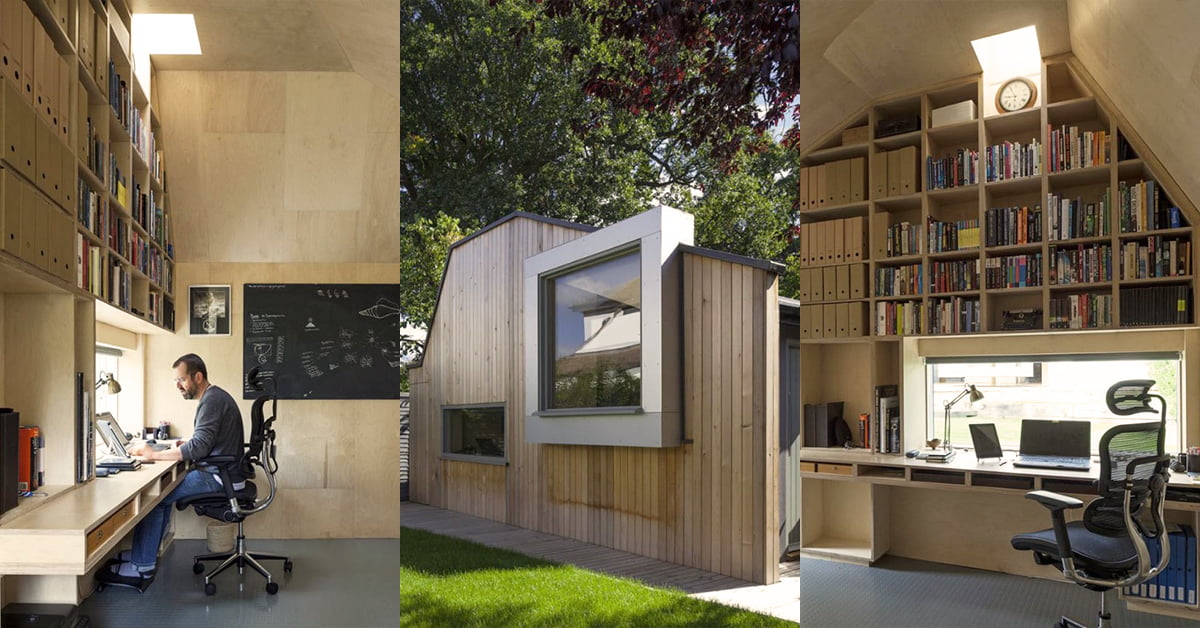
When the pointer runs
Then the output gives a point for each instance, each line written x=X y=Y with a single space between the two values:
x=1143 y=54
x=360 y=36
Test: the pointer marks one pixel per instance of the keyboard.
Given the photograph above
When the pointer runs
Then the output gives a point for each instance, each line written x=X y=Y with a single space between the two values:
x=1070 y=463
x=155 y=446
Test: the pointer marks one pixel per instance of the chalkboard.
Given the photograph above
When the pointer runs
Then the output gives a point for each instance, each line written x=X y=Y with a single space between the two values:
x=323 y=341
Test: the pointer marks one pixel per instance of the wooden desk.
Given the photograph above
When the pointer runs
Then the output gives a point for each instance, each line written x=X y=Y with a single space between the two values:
x=857 y=506
x=48 y=552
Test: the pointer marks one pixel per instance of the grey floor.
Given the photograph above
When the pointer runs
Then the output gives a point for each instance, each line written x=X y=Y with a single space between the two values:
x=343 y=583
x=902 y=593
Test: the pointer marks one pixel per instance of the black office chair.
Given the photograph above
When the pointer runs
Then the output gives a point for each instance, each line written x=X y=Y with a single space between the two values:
x=234 y=506
x=1107 y=549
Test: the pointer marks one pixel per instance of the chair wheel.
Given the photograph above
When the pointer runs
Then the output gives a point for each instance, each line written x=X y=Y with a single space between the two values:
x=272 y=588
x=197 y=568
x=210 y=589
x=287 y=566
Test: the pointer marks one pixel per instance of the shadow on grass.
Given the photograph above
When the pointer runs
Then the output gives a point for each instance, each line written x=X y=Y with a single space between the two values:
x=440 y=555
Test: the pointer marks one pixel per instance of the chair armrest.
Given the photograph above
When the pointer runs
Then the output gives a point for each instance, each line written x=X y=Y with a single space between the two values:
x=1053 y=501
x=1131 y=468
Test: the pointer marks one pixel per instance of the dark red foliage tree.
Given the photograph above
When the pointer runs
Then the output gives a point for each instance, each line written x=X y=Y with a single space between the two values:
x=716 y=65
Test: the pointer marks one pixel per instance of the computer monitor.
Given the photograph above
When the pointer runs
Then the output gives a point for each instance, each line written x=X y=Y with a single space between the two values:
x=1040 y=437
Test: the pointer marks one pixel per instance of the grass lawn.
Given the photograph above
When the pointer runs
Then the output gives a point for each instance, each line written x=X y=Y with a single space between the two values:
x=450 y=582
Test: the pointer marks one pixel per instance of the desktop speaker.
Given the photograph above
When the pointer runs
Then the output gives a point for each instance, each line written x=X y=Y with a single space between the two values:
x=896 y=126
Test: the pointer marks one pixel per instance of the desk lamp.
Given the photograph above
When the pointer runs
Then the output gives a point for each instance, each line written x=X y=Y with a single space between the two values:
x=114 y=386
x=946 y=452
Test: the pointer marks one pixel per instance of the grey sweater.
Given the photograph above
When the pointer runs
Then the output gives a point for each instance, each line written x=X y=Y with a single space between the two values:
x=218 y=430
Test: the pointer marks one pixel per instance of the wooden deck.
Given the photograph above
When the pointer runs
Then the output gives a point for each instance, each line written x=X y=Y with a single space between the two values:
x=781 y=599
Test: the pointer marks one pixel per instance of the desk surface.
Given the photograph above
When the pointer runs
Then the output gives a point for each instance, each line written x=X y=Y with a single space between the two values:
x=51 y=537
x=964 y=461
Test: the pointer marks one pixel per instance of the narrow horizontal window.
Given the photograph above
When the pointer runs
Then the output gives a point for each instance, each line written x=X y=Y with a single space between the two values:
x=474 y=431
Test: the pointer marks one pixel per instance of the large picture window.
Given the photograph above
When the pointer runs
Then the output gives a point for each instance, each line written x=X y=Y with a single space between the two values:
x=473 y=431
x=593 y=330
x=1047 y=387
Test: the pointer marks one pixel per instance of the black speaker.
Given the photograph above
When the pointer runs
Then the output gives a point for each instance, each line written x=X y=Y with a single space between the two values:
x=896 y=126
x=9 y=421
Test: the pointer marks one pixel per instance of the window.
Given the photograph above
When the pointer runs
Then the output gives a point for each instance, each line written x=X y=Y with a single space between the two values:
x=593 y=331
x=473 y=431
x=107 y=360
x=1047 y=387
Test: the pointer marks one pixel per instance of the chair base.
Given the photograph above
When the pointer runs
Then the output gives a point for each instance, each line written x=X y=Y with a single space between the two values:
x=241 y=557
x=1104 y=618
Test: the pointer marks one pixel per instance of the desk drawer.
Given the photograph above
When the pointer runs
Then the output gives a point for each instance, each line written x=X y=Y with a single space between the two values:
x=810 y=467
x=107 y=528
x=839 y=469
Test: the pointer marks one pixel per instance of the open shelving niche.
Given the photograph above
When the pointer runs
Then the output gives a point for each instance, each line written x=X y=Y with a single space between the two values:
x=842 y=519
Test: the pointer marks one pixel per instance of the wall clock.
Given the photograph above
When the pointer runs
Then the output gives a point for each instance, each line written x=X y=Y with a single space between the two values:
x=1016 y=94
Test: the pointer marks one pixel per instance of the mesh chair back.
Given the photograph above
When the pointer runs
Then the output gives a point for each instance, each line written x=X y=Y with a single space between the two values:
x=1118 y=447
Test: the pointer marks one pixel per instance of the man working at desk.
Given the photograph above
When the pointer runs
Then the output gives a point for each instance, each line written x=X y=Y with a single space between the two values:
x=217 y=432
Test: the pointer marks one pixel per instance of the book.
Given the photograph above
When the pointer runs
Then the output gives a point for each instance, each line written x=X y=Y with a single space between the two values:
x=887 y=409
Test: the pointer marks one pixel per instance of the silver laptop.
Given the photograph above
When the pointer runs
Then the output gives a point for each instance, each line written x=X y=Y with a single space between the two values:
x=1065 y=445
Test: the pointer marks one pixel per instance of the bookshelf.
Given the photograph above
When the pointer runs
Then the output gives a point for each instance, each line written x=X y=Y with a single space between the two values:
x=77 y=249
x=1059 y=209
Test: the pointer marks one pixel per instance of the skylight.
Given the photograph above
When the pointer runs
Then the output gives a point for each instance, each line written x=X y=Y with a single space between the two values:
x=1015 y=53
x=165 y=34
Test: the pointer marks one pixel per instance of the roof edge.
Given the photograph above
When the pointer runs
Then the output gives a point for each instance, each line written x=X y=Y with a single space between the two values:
x=761 y=264
x=558 y=222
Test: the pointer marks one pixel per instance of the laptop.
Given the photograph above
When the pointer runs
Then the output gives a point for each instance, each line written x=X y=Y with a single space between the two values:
x=107 y=416
x=986 y=441
x=1062 y=445
x=119 y=457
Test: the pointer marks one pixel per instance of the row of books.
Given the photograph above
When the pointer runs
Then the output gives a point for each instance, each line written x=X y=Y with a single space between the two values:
x=1080 y=264
x=955 y=315
x=833 y=320
x=834 y=183
x=833 y=283
x=1081 y=311
x=1013 y=271
x=1073 y=218
x=892 y=281
x=117 y=234
x=1006 y=226
x=119 y=284
x=156 y=166
x=117 y=185
x=953 y=236
x=1012 y=160
x=162 y=310
x=1072 y=148
x=95 y=155
x=1156 y=256
x=961 y=168
x=903 y=238
x=1156 y=305
x=1144 y=207
x=899 y=318
x=90 y=207
x=954 y=276
x=89 y=267
x=1177 y=582
x=880 y=430
x=120 y=98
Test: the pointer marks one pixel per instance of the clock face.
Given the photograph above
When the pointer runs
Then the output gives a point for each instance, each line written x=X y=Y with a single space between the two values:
x=1015 y=95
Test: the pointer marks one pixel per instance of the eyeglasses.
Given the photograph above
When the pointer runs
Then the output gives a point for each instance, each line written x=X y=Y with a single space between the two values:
x=179 y=380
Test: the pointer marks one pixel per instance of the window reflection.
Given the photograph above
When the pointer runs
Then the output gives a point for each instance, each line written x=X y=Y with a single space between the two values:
x=597 y=330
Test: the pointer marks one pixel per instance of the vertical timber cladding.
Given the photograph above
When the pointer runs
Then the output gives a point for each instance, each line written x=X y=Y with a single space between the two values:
x=708 y=504
x=711 y=503
x=474 y=355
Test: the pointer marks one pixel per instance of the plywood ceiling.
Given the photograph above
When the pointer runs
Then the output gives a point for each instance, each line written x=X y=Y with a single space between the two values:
x=360 y=36
x=1142 y=53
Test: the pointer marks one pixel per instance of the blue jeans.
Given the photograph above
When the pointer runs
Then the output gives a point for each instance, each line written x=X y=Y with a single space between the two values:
x=148 y=534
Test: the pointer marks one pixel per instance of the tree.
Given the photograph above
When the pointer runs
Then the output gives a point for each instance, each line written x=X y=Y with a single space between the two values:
x=717 y=65
x=424 y=249
x=494 y=123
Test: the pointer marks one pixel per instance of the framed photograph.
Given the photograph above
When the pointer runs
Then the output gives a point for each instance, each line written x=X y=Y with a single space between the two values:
x=208 y=310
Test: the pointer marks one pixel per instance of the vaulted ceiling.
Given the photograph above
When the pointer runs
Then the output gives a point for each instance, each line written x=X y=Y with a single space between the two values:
x=1142 y=53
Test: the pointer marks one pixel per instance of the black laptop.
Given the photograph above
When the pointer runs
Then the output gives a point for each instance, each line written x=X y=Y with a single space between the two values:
x=1065 y=445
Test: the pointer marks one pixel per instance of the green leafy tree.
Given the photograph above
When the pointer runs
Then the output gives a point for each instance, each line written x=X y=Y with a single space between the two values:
x=424 y=248
x=494 y=119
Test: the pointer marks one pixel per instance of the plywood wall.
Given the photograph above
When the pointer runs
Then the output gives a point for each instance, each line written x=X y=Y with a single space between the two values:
x=711 y=503
x=281 y=166
x=339 y=473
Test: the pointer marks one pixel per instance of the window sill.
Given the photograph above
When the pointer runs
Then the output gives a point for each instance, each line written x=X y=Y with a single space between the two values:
x=500 y=462
x=591 y=411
